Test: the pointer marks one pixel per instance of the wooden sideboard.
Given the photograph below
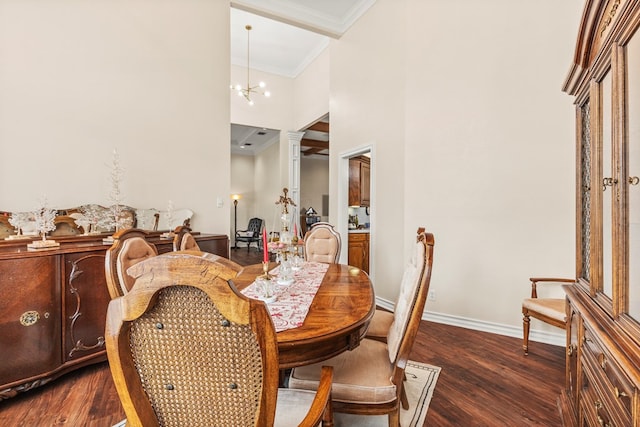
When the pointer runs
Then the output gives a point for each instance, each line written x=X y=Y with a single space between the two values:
x=53 y=306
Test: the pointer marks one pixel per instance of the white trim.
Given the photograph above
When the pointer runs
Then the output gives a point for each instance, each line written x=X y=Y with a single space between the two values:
x=553 y=338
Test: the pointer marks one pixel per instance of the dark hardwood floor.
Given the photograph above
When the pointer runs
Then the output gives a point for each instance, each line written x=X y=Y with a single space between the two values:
x=485 y=381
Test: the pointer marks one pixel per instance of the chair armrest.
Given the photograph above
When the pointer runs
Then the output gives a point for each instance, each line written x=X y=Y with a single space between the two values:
x=321 y=407
x=535 y=280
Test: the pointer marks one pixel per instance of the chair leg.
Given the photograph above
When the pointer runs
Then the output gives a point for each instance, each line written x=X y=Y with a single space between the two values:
x=526 y=320
x=404 y=400
x=394 y=418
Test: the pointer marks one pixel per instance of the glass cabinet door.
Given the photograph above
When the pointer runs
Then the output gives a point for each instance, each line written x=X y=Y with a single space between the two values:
x=632 y=174
x=605 y=282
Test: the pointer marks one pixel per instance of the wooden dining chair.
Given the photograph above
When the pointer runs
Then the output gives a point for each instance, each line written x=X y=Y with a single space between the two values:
x=186 y=348
x=129 y=247
x=550 y=310
x=183 y=240
x=322 y=243
x=369 y=379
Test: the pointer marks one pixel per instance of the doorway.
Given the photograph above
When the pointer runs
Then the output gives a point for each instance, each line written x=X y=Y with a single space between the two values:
x=356 y=207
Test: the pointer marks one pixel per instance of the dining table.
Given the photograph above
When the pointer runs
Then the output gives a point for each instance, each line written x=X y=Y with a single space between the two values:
x=337 y=318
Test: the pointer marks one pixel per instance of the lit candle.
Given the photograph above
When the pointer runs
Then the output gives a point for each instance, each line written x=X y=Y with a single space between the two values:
x=264 y=246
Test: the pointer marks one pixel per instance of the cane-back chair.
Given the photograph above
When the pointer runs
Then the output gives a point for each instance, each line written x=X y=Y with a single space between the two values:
x=185 y=348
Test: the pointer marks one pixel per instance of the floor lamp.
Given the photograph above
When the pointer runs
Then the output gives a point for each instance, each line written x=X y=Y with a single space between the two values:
x=235 y=198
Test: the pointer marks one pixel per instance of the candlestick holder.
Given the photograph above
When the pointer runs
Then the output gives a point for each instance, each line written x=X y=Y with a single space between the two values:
x=265 y=270
x=264 y=285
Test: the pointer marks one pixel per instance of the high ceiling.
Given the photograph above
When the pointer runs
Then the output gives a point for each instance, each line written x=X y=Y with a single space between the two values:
x=286 y=36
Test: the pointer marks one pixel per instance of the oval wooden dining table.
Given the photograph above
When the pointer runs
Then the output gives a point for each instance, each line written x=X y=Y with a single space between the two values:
x=337 y=320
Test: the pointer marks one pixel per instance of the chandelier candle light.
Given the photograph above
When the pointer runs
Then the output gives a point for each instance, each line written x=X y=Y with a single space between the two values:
x=248 y=90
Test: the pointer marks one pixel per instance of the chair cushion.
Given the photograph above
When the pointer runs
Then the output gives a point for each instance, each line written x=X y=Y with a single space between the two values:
x=321 y=246
x=292 y=406
x=189 y=243
x=550 y=307
x=380 y=324
x=362 y=375
x=408 y=289
x=133 y=251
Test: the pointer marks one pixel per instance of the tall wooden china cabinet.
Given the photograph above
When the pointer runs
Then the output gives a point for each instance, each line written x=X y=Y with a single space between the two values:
x=603 y=333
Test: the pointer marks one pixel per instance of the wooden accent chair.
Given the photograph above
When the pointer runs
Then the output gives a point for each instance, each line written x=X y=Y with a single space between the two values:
x=550 y=310
x=183 y=239
x=369 y=379
x=251 y=234
x=129 y=248
x=322 y=243
x=186 y=348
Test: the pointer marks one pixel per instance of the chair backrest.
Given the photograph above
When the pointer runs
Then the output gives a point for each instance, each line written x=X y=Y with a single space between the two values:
x=186 y=348
x=322 y=243
x=183 y=240
x=129 y=247
x=411 y=301
x=255 y=225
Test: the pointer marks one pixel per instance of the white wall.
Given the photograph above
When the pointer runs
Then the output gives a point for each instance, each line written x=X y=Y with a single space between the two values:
x=311 y=91
x=314 y=182
x=80 y=79
x=242 y=183
x=367 y=107
x=472 y=138
x=267 y=185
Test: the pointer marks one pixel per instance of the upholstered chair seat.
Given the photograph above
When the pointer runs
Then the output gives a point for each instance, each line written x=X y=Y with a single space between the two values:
x=363 y=375
x=550 y=307
x=379 y=325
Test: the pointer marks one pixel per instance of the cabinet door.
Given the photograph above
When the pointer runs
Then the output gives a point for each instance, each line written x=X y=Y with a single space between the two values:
x=573 y=343
x=354 y=182
x=365 y=183
x=632 y=174
x=29 y=319
x=85 y=304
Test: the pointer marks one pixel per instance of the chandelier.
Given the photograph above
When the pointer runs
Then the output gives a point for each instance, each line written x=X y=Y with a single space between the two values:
x=248 y=90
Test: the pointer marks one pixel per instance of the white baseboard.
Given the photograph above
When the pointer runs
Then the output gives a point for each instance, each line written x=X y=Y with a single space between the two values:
x=553 y=338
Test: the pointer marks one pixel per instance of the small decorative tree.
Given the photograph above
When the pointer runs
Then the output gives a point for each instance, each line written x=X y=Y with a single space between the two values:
x=18 y=221
x=169 y=216
x=45 y=222
x=115 y=195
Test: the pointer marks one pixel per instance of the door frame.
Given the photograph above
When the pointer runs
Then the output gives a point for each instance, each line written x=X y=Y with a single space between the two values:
x=342 y=224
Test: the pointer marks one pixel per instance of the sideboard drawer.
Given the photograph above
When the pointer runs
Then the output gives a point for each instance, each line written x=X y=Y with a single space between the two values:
x=615 y=384
x=593 y=408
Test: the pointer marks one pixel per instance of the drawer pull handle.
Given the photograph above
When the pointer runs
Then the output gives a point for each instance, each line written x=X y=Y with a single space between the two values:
x=619 y=393
x=571 y=349
x=29 y=318
x=602 y=361
x=586 y=339
x=598 y=404
x=633 y=180
x=602 y=423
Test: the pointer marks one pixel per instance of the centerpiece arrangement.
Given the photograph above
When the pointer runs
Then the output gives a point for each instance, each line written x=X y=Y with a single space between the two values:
x=285 y=244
